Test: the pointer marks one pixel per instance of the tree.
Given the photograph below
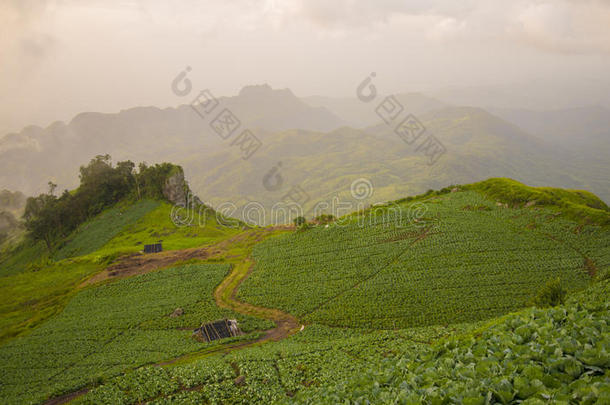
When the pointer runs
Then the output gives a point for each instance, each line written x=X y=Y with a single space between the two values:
x=102 y=185
x=299 y=221
x=41 y=218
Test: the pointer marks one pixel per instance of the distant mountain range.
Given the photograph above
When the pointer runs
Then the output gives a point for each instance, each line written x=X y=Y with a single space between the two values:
x=583 y=130
x=322 y=145
x=358 y=114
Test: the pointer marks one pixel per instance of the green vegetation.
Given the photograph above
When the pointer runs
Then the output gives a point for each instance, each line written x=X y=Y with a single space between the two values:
x=113 y=327
x=51 y=219
x=30 y=297
x=26 y=254
x=391 y=268
x=97 y=232
x=157 y=226
x=538 y=356
x=298 y=221
x=397 y=302
x=552 y=294
x=577 y=204
x=272 y=372
x=556 y=355
x=35 y=286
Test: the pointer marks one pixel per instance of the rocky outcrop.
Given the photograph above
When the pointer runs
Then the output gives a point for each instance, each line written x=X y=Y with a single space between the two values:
x=174 y=189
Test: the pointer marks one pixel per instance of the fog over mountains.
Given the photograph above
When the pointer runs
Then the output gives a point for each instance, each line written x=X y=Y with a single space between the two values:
x=321 y=144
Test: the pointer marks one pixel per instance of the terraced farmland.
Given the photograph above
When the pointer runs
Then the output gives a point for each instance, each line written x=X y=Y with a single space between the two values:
x=109 y=329
x=467 y=259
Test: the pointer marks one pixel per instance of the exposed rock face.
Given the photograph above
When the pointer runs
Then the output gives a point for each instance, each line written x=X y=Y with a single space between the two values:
x=173 y=189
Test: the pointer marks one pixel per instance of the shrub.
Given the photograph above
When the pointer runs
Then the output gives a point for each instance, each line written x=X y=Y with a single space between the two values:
x=324 y=219
x=550 y=295
x=299 y=221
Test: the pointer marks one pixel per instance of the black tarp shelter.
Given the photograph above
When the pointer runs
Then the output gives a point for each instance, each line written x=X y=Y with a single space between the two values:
x=154 y=248
x=221 y=329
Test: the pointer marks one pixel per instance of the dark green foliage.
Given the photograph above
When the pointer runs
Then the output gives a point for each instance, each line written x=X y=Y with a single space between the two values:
x=150 y=179
x=49 y=218
x=550 y=295
x=305 y=226
x=298 y=221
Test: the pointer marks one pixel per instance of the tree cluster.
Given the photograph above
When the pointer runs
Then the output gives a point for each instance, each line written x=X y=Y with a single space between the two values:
x=51 y=218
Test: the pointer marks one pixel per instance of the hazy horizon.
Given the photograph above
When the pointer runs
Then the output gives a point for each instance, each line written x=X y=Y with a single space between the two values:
x=60 y=58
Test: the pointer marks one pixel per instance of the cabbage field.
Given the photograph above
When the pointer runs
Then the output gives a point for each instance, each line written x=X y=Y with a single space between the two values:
x=425 y=300
x=272 y=372
x=536 y=356
x=455 y=264
x=108 y=329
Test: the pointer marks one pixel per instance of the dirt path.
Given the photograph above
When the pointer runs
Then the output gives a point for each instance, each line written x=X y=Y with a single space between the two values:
x=140 y=263
x=225 y=294
x=226 y=297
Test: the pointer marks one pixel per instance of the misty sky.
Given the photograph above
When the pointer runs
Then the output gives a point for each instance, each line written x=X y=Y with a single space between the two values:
x=58 y=58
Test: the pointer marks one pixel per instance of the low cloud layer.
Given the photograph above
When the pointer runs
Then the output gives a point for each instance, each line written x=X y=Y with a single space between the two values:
x=58 y=58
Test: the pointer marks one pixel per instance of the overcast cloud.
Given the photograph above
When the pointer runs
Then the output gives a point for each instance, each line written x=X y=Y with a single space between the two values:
x=58 y=58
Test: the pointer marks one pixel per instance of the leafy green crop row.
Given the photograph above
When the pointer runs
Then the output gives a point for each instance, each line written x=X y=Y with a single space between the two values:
x=553 y=355
x=108 y=329
x=272 y=372
x=454 y=265
x=558 y=355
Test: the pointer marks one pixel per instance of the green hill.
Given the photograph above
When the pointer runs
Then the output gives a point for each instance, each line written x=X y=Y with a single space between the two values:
x=465 y=259
x=423 y=299
x=478 y=146
x=316 y=150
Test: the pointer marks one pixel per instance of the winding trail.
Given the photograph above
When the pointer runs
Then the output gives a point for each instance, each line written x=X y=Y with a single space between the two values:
x=225 y=294
x=226 y=297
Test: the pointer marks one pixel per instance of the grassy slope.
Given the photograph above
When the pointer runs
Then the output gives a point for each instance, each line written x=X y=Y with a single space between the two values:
x=294 y=368
x=34 y=286
x=28 y=298
x=466 y=259
x=97 y=232
x=576 y=204
x=157 y=226
x=23 y=254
